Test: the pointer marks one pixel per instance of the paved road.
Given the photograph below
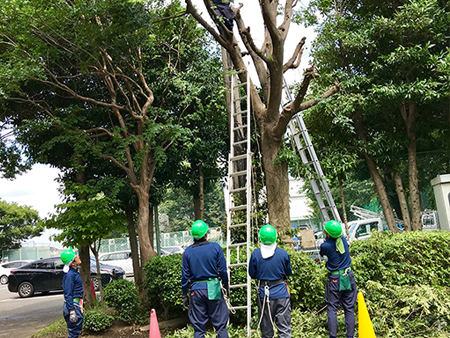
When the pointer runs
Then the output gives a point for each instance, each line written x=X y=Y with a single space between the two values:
x=22 y=317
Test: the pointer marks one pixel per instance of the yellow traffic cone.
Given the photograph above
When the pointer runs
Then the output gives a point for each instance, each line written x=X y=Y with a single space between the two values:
x=365 y=327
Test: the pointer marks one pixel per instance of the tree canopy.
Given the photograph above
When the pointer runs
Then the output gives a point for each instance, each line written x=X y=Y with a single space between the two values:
x=17 y=223
x=393 y=62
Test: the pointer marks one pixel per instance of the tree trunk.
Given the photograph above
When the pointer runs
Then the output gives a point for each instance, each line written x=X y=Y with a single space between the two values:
x=402 y=200
x=137 y=269
x=382 y=196
x=277 y=182
x=151 y=230
x=409 y=114
x=85 y=272
x=146 y=246
x=199 y=200
x=99 y=275
x=344 y=213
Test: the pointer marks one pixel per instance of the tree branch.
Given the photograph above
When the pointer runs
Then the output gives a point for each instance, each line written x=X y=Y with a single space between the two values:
x=296 y=57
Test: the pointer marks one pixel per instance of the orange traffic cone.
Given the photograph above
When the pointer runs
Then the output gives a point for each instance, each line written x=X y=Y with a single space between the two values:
x=154 y=327
x=365 y=327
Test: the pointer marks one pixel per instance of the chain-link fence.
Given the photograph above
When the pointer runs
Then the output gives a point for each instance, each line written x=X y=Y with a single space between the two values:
x=29 y=253
x=180 y=238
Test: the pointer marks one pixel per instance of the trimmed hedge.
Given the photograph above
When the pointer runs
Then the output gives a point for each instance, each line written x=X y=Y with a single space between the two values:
x=409 y=258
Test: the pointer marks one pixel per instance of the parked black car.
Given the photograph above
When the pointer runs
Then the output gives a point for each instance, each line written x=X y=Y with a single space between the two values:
x=46 y=275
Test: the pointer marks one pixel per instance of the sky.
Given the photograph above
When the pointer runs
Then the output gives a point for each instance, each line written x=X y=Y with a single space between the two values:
x=38 y=188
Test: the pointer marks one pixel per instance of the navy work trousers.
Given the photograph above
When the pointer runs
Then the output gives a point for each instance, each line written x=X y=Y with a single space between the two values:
x=73 y=328
x=334 y=297
x=277 y=312
x=203 y=309
x=223 y=10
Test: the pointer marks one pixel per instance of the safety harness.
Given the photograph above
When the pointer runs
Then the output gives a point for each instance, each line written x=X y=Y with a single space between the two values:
x=266 y=301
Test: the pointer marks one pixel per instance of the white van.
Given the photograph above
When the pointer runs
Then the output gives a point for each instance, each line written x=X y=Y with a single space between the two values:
x=361 y=229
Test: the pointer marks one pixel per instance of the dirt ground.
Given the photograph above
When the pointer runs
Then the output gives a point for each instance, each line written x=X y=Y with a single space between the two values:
x=122 y=330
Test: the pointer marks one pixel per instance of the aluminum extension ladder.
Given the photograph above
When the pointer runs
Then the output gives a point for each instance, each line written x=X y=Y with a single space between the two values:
x=239 y=184
x=302 y=142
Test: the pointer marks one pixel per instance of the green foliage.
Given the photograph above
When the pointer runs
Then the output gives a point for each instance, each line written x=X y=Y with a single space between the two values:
x=188 y=332
x=398 y=311
x=122 y=295
x=17 y=223
x=178 y=206
x=96 y=321
x=307 y=282
x=409 y=258
x=163 y=285
x=84 y=221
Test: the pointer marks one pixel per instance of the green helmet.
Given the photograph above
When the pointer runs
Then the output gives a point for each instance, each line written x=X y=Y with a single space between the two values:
x=333 y=228
x=68 y=255
x=268 y=234
x=199 y=229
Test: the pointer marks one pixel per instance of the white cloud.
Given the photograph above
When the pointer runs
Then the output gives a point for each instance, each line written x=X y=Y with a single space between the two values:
x=37 y=189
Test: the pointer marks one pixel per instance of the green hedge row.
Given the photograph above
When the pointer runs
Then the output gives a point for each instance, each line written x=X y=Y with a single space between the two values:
x=405 y=279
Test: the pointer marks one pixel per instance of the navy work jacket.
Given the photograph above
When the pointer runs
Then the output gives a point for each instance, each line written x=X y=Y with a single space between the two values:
x=73 y=287
x=201 y=261
x=273 y=268
x=336 y=261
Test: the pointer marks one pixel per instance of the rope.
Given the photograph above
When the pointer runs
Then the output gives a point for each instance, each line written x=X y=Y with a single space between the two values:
x=227 y=300
x=265 y=300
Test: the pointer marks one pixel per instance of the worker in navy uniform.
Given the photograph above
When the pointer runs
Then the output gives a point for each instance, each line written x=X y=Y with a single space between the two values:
x=271 y=266
x=203 y=263
x=73 y=293
x=223 y=10
x=341 y=286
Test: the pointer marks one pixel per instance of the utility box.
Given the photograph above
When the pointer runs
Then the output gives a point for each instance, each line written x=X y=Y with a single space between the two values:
x=441 y=187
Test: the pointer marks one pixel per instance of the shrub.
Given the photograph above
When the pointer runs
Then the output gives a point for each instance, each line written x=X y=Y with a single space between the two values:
x=408 y=258
x=416 y=311
x=122 y=295
x=307 y=283
x=95 y=320
x=163 y=285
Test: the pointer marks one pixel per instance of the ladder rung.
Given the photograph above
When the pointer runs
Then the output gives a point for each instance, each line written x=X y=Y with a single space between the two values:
x=239 y=157
x=240 y=207
x=239 y=173
x=238 y=189
x=238 y=286
x=238 y=244
x=244 y=307
x=239 y=142
x=240 y=127
x=238 y=225
x=236 y=265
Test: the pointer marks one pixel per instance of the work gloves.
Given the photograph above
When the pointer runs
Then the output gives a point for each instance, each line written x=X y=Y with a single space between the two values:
x=186 y=302
x=73 y=317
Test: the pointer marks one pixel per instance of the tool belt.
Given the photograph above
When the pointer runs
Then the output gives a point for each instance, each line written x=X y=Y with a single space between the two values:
x=271 y=282
x=75 y=300
x=344 y=278
x=342 y=271
x=213 y=286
